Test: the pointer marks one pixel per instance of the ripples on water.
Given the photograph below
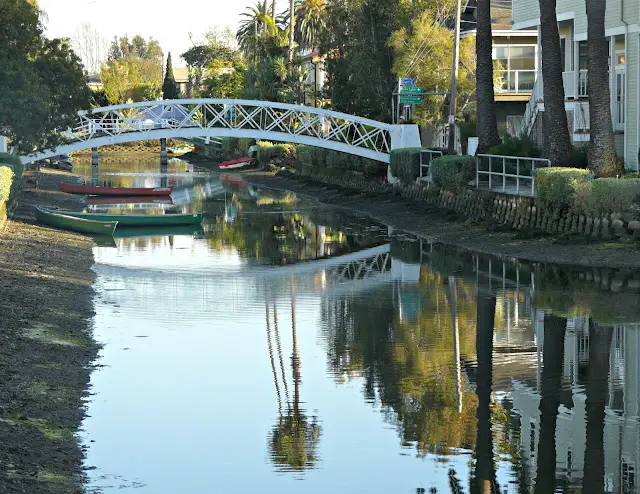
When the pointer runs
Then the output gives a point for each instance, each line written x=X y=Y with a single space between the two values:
x=292 y=348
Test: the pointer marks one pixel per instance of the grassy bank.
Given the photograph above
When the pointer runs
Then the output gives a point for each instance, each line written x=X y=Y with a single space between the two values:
x=46 y=349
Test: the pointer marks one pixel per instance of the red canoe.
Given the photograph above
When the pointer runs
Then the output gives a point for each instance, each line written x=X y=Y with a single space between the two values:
x=114 y=191
x=128 y=200
x=239 y=163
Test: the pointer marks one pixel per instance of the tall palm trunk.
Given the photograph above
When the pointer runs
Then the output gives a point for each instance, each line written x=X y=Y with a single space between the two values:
x=485 y=470
x=273 y=9
x=597 y=397
x=553 y=355
x=487 y=124
x=555 y=128
x=292 y=25
x=602 y=151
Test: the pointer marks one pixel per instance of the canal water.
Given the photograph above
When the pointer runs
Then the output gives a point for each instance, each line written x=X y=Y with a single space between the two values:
x=291 y=347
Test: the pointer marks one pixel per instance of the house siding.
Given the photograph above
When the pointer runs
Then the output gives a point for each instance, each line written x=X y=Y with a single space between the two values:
x=631 y=130
x=525 y=11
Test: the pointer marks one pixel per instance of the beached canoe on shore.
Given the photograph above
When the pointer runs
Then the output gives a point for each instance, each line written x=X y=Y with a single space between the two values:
x=57 y=220
x=114 y=191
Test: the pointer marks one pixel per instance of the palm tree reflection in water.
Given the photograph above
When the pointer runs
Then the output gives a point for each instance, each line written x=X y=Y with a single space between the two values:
x=293 y=442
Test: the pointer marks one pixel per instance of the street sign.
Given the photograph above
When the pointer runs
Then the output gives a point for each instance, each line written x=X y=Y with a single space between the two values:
x=410 y=90
x=407 y=82
x=411 y=100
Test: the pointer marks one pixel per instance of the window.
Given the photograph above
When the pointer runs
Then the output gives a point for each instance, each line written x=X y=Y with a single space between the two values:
x=583 y=55
x=515 y=67
x=563 y=53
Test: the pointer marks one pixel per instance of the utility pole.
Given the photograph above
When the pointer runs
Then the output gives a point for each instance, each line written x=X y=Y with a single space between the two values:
x=454 y=82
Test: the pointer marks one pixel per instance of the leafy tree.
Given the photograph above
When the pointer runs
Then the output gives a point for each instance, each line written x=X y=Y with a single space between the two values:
x=254 y=20
x=133 y=70
x=555 y=129
x=359 y=63
x=602 y=150
x=423 y=50
x=169 y=86
x=42 y=80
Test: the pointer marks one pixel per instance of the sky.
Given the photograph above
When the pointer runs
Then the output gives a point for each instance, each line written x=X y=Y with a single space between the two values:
x=168 y=22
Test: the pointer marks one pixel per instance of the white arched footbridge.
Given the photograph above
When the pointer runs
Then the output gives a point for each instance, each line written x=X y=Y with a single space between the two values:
x=264 y=120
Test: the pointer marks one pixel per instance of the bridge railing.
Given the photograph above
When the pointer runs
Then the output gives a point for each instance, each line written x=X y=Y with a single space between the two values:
x=205 y=115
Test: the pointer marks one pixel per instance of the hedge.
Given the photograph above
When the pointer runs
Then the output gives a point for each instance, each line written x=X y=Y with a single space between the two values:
x=6 y=179
x=405 y=164
x=453 y=172
x=555 y=186
x=268 y=152
x=310 y=156
x=606 y=195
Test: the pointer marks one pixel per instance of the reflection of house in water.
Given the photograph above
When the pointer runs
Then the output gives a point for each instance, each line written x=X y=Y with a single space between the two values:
x=621 y=428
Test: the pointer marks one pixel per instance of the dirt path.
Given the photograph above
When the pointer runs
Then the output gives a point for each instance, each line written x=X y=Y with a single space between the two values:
x=430 y=222
x=46 y=349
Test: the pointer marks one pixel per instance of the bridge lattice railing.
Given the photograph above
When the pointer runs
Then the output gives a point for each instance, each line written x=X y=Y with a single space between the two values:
x=202 y=116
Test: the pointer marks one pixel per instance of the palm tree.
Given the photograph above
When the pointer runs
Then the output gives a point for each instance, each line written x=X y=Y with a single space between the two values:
x=294 y=440
x=487 y=124
x=273 y=9
x=553 y=353
x=555 y=129
x=310 y=22
x=602 y=151
x=292 y=25
x=254 y=20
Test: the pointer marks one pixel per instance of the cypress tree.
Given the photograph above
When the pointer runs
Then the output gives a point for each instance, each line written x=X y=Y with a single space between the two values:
x=169 y=86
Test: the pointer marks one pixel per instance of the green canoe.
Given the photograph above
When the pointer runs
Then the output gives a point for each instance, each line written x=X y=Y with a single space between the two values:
x=57 y=220
x=140 y=219
x=158 y=231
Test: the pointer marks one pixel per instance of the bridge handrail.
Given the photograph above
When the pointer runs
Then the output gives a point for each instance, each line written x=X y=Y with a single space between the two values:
x=239 y=102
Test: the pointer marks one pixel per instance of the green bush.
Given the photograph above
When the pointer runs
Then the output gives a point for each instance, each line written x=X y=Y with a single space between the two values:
x=229 y=147
x=6 y=179
x=10 y=160
x=627 y=176
x=522 y=146
x=453 y=172
x=556 y=186
x=310 y=156
x=269 y=152
x=578 y=157
x=405 y=164
x=606 y=195
x=243 y=147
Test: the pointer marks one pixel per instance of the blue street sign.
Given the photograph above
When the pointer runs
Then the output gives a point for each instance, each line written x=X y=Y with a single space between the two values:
x=407 y=82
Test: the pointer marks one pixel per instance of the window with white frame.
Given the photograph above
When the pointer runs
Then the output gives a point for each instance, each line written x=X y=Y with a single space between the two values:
x=515 y=67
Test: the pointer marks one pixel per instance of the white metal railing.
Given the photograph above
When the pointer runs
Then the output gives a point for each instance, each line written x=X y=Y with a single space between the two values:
x=426 y=157
x=441 y=139
x=207 y=117
x=509 y=174
x=516 y=81
x=569 y=83
x=583 y=84
x=537 y=97
x=581 y=117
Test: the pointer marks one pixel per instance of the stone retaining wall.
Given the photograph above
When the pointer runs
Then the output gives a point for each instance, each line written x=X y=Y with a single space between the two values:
x=518 y=213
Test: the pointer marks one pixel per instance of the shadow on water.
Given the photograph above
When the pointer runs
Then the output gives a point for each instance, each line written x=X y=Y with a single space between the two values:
x=508 y=376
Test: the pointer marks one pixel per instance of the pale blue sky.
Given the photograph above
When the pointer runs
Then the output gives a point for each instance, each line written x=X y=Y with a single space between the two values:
x=168 y=22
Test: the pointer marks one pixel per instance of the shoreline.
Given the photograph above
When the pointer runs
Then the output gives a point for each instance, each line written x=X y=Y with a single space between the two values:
x=447 y=227
x=47 y=351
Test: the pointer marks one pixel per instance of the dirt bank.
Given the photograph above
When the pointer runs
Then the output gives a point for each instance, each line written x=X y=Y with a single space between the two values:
x=434 y=223
x=46 y=349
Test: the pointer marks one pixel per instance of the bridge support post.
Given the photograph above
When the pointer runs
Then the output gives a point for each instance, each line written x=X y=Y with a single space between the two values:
x=164 y=163
x=94 y=166
x=3 y=144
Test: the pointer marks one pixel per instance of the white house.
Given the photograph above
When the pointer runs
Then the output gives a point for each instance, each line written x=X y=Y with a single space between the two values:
x=622 y=28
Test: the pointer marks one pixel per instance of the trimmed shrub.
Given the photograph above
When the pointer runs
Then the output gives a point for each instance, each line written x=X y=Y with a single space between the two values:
x=243 y=147
x=268 y=152
x=310 y=156
x=522 y=146
x=555 y=186
x=405 y=164
x=606 y=195
x=627 y=176
x=453 y=172
x=229 y=147
x=6 y=179
x=10 y=160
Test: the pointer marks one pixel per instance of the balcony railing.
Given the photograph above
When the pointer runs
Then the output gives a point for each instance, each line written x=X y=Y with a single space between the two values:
x=583 y=84
x=515 y=81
